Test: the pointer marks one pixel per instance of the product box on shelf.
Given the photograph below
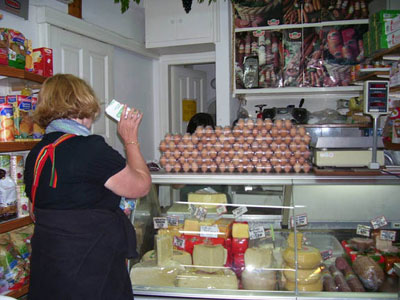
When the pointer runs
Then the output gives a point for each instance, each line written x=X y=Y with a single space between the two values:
x=43 y=61
x=258 y=13
x=334 y=10
x=392 y=24
x=3 y=46
x=16 y=49
x=382 y=16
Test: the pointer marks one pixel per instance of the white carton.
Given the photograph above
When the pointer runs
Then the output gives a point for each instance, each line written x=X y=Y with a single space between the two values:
x=114 y=110
x=392 y=25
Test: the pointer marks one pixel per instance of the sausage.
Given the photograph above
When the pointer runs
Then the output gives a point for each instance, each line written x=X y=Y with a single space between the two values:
x=339 y=279
x=351 y=278
x=327 y=280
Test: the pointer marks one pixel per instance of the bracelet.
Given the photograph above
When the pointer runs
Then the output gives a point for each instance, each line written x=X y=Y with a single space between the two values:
x=133 y=143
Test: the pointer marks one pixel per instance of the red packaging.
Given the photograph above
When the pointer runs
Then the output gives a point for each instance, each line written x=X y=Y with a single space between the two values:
x=43 y=61
x=228 y=247
x=239 y=245
x=190 y=241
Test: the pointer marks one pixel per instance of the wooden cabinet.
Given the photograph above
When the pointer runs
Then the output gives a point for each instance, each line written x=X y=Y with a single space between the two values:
x=167 y=23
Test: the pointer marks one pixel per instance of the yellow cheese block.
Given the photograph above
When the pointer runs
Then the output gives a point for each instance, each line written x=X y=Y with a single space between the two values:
x=256 y=258
x=221 y=279
x=147 y=273
x=304 y=276
x=208 y=199
x=307 y=257
x=240 y=230
x=225 y=227
x=179 y=256
x=164 y=248
x=313 y=287
x=259 y=280
x=191 y=226
x=209 y=256
x=299 y=240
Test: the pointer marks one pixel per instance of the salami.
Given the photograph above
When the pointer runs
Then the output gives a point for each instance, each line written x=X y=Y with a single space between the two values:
x=339 y=279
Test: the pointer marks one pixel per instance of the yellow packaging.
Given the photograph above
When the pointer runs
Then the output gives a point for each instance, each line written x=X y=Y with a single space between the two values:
x=6 y=123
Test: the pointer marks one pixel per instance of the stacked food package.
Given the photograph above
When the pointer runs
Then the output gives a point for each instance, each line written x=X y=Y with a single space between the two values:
x=250 y=146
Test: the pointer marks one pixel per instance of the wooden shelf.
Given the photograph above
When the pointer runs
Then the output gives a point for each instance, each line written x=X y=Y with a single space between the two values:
x=14 y=224
x=19 y=293
x=19 y=73
x=390 y=146
x=377 y=75
x=395 y=89
x=387 y=53
x=17 y=146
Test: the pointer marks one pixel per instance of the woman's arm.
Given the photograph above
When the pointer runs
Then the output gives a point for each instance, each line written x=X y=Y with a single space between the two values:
x=134 y=180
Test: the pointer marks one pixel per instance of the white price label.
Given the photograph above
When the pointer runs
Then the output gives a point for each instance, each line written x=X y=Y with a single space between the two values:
x=388 y=235
x=326 y=254
x=301 y=220
x=237 y=212
x=363 y=230
x=257 y=232
x=192 y=209
x=173 y=220
x=379 y=222
x=209 y=231
x=221 y=209
x=200 y=213
x=160 y=222
x=178 y=242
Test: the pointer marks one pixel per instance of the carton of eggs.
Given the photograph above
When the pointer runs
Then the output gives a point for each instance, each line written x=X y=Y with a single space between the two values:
x=260 y=146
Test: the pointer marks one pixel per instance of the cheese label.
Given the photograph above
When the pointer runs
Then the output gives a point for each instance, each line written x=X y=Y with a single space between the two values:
x=237 y=212
x=379 y=222
x=160 y=222
x=256 y=232
x=173 y=220
x=363 y=230
x=388 y=235
x=301 y=220
x=192 y=209
x=200 y=213
x=178 y=242
x=221 y=209
x=326 y=254
x=209 y=231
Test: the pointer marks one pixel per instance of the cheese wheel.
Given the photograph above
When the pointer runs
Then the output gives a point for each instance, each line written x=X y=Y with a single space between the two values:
x=304 y=276
x=221 y=279
x=256 y=258
x=307 y=257
x=259 y=280
x=299 y=240
x=313 y=287
x=209 y=256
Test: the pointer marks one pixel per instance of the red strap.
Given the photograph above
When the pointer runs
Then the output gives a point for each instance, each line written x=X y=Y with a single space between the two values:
x=44 y=154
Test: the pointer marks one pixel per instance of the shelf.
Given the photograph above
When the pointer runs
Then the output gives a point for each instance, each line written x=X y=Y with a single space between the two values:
x=377 y=75
x=19 y=73
x=388 y=54
x=361 y=125
x=14 y=224
x=300 y=90
x=19 y=293
x=390 y=146
x=292 y=26
x=17 y=146
x=395 y=89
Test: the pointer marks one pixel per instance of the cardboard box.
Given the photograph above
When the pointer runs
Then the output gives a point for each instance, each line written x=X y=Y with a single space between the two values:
x=383 y=15
x=392 y=25
x=43 y=61
x=3 y=46
x=16 y=50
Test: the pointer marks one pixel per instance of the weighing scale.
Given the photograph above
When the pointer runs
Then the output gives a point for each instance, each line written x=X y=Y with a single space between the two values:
x=376 y=98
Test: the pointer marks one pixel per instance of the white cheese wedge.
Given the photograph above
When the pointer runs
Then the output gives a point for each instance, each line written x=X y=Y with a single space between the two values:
x=222 y=279
x=256 y=258
x=164 y=248
x=259 y=280
x=209 y=256
x=208 y=199
x=149 y=274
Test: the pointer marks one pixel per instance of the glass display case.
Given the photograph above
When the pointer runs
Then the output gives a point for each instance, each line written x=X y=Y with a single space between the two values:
x=260 y=236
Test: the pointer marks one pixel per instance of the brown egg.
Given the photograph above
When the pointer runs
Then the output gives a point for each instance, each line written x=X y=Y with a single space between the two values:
x=250 y=123
x=199 y=131
x=231 y=167
x=278 y=153
x=200 y=146
x=181 y=146
x=274 y=132
x=287 y=153
x=297 y=139
x=195 y=139
x=273 y=146
x=190 y=160
x=190 y=146
x=186 y=137
x=204 y=153
x=177 y=153
x=263 y=131
x=287 y=139
x=288 y=124
x=269 y=139
x=255 y=146
x=301 y=160
x=278 y=139
x=240 y=123
x=246 y=131
x=259 y=123
x=303 y=147
x=240 y=139
x=249 y=167
x=177 y=138
x=186 y=153
x=278 y=124
x=222 y=138
x=268 y=153
x=172 y=161
x=222 y=167
x=292 y=131
x=218 y=146
x=208 y=131
x=236 y=146
x=255 y=131
x=255 y=160
x=267 y=167
x=163 y=146
x=231 y=153
x=168 y=168
x=213 y=167
x=292 y=160
x=283 y=160
x=283 y=146
x=218 y=160
x=227 y=159
x=227 y=130
x=301 y=130
x=264 y=160
x=293 y=146
x=268 y=124
x=163 y=161
x=245 y=160
x=204 y=168
x=209 y=146
x=168 y=153
x=246 y=146
x=307 y=139
x=171 y=146
x=258 y=154
x=274 y=160
x=306 y=167
x=283 y=132
x=177 y=167
x=249 y=139
x=218 y=130
x=181 y=160
x=287 y=168
x=259 y=167
x=195 y=153
x=198 y=160
x=278 y=168
x=194 y=167
x=168 y=138
x=212 y=153
x=186 y=167
x=259 y=138
x=222 y=153
x=240 y=168
x=227 y=146
x=240 y=153
x=213 y=138
x=204 y=139
x=264 y=146
x=306 y=154
x=297 y=154
x=236 y=131
x=297 y=167
x=235 y=160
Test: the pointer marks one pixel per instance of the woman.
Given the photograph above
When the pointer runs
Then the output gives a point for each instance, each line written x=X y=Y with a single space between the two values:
x=200 y=119
x=75 y=182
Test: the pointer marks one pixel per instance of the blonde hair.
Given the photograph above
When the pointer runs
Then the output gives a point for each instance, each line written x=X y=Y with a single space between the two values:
x=65 y=96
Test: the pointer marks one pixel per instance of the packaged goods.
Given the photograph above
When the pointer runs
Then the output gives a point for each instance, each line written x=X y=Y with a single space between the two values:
x=22 y=202
x=16 y=49
x=6 y=123
x=5 y=166
x=148 y=273
x=292 y=69
x=164 y=249
x=258 y=13
x=361 y=244
x=220 y=279
x=351 y=278
x=3 y=46
x=29 y=66
x=333 y=10
x=383 y=15
x=8 y=199
x=369 y=272
x=17 y=168
x=225 y=227
x=43 y=61
x=209 y=256
x=21 y=240
x=312 y=287
x=23 y=122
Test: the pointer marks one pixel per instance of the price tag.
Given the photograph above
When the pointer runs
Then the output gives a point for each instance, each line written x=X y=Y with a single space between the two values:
x=237 y=212
x=209 y=231
x=388 y=235
x=326 y=254
x=379 y=222
x=256 y=232
x=221 y=209
x=160 y=222
x=200 y=213
x=301 y=220
x=173 y=220
x=178 y=242
x=363 y=230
